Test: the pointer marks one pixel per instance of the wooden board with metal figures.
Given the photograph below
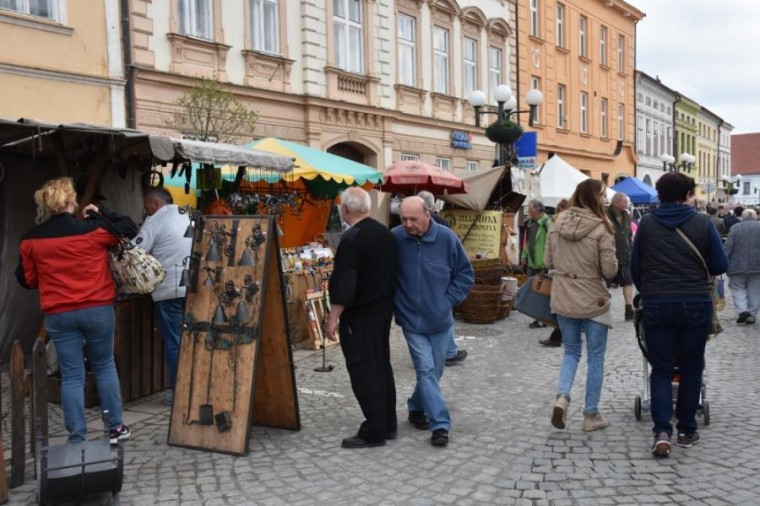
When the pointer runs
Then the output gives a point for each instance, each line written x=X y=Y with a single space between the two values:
x=235 y=363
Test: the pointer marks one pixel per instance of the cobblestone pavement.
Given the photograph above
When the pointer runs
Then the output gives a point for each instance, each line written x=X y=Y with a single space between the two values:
x=503 y=449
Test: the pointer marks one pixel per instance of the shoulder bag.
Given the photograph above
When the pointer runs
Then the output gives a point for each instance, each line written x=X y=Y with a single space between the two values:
x=134 y=270
x=533 y=299
x=715 y=326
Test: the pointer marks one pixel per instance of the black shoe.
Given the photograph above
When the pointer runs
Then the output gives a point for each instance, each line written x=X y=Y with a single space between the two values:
x=550 y=342
x=440 y=437
x=357 y=442
x=743 y=317
x=628 y=312
x=458 y=358
x=119 y=434
x=750 y=320
x=535 y=324
x=419 y=420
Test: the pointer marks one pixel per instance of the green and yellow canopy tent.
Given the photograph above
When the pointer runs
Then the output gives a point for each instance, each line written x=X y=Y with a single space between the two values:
x=318 y=177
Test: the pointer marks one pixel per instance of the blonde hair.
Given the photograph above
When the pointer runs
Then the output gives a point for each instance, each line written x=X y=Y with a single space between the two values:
x=54 y=197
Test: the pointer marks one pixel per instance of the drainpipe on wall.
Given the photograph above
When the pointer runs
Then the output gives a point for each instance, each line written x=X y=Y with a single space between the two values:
x=717 y=160
x=126 y=45
x=635 y=99
x=517 y=51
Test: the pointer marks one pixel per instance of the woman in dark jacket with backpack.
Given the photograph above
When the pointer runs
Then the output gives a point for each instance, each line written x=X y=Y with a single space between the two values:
x=672 y=279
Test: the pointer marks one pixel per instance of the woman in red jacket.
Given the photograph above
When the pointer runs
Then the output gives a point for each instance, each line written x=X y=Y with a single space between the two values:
x=67 y=260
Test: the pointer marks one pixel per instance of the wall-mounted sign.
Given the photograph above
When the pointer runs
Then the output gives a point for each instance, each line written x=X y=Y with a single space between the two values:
x=461 y=139
x=527 y=151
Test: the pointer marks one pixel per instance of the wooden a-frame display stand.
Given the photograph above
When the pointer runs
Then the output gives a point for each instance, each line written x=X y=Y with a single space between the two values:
x=235 y=363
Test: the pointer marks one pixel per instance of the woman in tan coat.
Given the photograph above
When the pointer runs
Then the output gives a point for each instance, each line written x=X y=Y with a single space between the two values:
x=581 y=251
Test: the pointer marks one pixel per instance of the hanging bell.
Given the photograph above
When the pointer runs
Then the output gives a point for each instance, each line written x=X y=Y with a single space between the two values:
x=184 y=279
x=190 y=230
x=246 y=260
x=209 y=279
x=213 y=251
x=219 y=316
x=242 y=315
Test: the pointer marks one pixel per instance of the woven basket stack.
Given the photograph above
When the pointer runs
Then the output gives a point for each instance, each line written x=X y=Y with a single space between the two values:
x=485 y=302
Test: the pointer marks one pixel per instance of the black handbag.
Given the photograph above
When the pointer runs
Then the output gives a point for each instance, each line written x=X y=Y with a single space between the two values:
x=534 y=303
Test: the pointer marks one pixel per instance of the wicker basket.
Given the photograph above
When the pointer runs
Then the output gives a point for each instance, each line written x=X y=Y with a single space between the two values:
x=488 y=271
x=505 y=308
x=482 y=305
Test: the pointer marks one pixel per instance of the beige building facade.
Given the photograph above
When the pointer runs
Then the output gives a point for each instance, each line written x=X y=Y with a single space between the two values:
x=373 y=80
x=580 y=54
x=61 y=61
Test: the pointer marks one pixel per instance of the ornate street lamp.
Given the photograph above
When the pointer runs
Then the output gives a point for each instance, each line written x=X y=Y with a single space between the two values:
x=685 y=161
x=504 y=131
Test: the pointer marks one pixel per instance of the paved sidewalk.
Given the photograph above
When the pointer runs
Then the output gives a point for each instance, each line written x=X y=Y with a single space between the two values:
x=503 y=449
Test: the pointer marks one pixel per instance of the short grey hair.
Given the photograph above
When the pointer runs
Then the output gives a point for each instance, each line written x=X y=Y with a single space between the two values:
x=160 y=194
x=749 y=214
x=537 y=205
x=428 y=199
x=356 y=200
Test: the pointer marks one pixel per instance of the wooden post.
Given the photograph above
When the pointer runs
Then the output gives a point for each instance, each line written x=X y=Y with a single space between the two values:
x=39 y=396
x=4 y=496
x=18 y=437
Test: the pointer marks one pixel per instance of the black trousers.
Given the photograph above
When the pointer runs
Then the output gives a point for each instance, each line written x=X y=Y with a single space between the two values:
x=365 y=343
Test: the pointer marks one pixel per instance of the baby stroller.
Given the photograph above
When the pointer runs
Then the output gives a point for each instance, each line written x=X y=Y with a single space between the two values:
x=643 y=402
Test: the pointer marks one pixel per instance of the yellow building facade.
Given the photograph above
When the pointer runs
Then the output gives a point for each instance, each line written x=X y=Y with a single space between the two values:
x=61 y=61
x=580 y=54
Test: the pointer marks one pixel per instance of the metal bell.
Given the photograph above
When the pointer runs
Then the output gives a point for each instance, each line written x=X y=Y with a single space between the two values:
x=190 y=230
x=184 y=279
x=209 y=279
x=242 y=315
x=213 y=251
x=246 y=260
x=219 y=316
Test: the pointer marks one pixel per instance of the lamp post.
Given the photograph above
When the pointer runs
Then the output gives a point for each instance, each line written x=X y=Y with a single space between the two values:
x=730 y=190
x=506 y=108
x=685 y=161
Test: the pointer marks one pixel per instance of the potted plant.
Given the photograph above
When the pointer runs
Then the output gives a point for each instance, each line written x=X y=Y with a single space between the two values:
x=504 y=131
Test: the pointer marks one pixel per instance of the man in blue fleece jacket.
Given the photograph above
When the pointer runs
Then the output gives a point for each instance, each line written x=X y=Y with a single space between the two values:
x=434 y=275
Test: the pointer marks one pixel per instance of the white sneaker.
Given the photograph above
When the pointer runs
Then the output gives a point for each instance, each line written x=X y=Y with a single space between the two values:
x=168 y=398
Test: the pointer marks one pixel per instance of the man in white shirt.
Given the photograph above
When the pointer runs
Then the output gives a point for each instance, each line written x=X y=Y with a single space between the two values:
x=163 y=236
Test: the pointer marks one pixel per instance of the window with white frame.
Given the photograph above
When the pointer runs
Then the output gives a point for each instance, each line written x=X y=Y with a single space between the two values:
x=621 y=121
x=584 y=112
x=265 y=26
x=196 y=18
x=582 y=31
x=560 y=25
x=603 y=45
x=407 y=50
x=494 y=69
x=621 y=53
x=648 y=149
x=534 y=18
x=349 y=35
x=603 y=118
x=471 y=165
x=49 y=9
x=561 y=112
x=470 y=65
x=441 y=59
x=640 y=138
x=535 y=84
x=410 y=157
x=443 y=163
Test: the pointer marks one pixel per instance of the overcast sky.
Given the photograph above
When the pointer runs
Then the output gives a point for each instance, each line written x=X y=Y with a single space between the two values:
x=708 y=50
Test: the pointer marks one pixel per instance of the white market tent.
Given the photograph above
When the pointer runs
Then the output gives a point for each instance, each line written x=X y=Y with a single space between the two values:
x=558 y=180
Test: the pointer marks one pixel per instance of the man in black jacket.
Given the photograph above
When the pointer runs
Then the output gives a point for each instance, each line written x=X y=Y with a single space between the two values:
x=621 y=223
x=362 y=287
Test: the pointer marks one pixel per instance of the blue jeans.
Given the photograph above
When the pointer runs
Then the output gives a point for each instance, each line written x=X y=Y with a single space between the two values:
x=428 y=352
x=69 y=331
x=170 y=314
x=676 y=334
x=451 y=349
x=596 y=346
